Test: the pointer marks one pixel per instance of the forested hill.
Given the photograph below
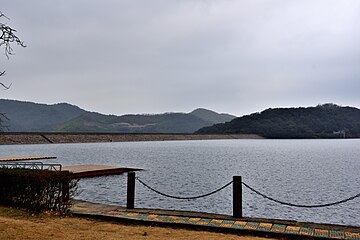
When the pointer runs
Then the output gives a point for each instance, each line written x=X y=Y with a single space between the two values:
x=322 y=121
x=33 y=117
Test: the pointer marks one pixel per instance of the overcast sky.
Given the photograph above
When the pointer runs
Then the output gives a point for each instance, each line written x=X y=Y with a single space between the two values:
x=154 y=56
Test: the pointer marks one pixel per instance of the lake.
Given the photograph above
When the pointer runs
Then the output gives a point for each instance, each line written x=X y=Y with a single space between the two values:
x=295 y=171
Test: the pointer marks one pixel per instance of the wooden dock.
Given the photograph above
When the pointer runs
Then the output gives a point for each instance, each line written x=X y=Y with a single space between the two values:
x=79 y=171
x=84 y=171
x=25 y=158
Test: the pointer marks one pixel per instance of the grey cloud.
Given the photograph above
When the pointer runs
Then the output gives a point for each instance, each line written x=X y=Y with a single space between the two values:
x=155 y=56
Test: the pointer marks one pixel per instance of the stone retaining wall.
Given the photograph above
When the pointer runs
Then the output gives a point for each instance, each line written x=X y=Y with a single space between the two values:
x=46 y=138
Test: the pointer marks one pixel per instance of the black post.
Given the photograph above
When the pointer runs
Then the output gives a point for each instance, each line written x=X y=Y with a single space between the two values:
x=237 y=197
x=65 y=188
x=130 y=204
x=65 y=193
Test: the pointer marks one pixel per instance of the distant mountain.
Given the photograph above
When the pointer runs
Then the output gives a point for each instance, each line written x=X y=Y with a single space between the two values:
x=28 y=116
x=63 y=117
x=211 y=116
x=324 y=121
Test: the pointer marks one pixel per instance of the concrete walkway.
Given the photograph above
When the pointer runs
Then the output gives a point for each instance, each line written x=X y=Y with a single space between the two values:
x=215 y=222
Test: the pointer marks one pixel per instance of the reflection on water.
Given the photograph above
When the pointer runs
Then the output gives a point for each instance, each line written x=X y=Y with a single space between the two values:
x=296 y=171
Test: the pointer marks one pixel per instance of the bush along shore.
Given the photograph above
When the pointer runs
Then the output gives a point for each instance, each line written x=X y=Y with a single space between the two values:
x=47 y=138
x=37 y=190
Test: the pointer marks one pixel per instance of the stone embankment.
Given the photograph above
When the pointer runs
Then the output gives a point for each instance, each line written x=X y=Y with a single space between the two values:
x=46 y=138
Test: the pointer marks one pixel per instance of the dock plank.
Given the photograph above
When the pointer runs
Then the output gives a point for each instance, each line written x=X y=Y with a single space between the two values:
x=83 y=171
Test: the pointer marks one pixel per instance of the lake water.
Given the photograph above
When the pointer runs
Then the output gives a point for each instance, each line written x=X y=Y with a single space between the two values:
x=296 y=171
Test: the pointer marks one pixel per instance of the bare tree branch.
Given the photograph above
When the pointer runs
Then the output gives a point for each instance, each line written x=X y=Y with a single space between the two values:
x=2 y=84
x=8 y=36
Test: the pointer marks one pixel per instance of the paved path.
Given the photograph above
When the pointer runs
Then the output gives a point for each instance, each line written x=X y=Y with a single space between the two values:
x=215 y=222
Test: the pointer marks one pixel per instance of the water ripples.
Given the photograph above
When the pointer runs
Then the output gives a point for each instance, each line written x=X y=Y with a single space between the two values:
x=296 y=171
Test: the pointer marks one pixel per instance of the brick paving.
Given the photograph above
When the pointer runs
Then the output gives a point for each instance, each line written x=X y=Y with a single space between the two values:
x=260 y=227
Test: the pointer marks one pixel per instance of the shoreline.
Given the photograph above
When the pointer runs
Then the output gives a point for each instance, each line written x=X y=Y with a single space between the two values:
x=49 y=138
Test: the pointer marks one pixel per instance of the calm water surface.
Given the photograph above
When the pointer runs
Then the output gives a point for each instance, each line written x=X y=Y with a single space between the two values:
x=296 y=171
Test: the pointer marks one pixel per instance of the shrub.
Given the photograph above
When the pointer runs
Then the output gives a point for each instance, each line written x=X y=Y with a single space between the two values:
x=37 y=190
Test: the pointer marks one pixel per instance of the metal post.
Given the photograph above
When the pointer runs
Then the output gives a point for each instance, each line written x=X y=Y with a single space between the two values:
x=65 y=192
x=237 y=197
x=130 y=204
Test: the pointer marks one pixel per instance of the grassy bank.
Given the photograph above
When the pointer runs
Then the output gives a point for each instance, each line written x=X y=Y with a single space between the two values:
x=17 y=224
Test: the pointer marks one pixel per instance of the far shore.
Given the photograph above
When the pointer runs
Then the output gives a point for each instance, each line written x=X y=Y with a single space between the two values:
x=49 y=138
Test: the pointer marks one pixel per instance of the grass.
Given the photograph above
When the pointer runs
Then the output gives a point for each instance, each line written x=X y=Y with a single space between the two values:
x=18 y=224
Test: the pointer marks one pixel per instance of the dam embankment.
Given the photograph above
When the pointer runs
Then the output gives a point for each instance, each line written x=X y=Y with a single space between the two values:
x=47 y=138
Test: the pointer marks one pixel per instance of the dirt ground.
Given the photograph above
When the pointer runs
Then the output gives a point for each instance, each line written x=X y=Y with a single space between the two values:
x=16 y=224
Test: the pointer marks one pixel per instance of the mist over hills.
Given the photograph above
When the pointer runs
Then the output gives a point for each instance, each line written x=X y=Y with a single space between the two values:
x=64 y=117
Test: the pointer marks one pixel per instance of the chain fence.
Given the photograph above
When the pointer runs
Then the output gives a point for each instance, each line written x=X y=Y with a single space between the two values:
x=251 y=189
x=300 y=205
x=183 y=198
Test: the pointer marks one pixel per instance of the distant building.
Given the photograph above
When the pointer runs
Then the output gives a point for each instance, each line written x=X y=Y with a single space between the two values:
x=341 y=133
